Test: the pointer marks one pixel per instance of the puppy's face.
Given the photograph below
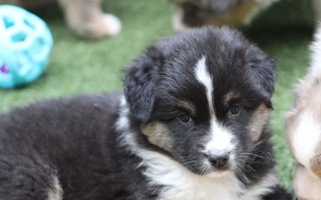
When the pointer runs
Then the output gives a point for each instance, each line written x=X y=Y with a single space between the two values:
x=203 y=98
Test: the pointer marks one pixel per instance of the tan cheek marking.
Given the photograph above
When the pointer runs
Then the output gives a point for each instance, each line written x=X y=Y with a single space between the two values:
x=158 y=134
x=259 y=120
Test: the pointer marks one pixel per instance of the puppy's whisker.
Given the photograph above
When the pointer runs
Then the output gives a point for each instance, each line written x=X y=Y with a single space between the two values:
x=238 y=168
x=252 y=155
x=248 y=166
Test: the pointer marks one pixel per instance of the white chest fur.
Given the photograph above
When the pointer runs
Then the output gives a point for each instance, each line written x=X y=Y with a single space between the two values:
x=180 y=183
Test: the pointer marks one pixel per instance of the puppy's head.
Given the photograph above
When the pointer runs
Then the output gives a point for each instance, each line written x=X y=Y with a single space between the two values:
x=202 y=97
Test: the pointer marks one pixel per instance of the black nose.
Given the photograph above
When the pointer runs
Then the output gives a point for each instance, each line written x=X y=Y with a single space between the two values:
x=219 y=160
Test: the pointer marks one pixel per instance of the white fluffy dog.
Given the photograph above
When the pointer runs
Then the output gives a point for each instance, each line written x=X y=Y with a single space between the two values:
x=304 y=128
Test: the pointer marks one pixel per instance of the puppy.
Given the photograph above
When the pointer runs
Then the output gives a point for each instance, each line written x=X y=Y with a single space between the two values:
x=84 y=17
x=190 y=125
x=195 y=13
x=303 y=128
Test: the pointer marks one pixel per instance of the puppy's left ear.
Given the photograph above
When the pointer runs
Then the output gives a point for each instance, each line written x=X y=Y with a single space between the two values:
x=263 y=68
x=140 y=82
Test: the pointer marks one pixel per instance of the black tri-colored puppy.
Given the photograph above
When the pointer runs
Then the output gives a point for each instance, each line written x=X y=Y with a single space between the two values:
x=191 y=124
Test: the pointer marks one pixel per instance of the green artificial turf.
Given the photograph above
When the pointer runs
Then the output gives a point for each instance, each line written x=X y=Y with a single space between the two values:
x=78 y=66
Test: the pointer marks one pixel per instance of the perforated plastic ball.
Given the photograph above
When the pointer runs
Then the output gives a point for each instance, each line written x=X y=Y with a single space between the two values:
x=25 y=46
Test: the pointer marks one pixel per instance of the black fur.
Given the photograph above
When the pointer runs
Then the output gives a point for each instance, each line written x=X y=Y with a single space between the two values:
x=140 y=84
x=73 y=139
x=80 y=142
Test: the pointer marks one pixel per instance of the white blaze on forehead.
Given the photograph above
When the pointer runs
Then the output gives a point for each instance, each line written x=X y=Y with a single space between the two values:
x=306 y=137
x=203 y=76
x=221 y=138
x=55 y=192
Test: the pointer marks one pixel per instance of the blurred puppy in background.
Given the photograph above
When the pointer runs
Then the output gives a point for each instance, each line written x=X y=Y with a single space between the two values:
x=84 y=17
x=194 y=13
x=303 y=128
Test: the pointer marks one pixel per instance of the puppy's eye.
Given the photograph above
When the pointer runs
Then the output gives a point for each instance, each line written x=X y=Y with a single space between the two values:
x=184 y=118
x=235 y=109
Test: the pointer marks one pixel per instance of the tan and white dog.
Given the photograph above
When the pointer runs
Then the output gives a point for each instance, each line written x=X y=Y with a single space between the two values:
x=195 y=13
x=234 y=13
x=84 y=17
x=303 y=127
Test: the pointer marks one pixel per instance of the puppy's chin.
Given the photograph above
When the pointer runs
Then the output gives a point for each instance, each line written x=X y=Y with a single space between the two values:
x=213 y=172
x=218 y=174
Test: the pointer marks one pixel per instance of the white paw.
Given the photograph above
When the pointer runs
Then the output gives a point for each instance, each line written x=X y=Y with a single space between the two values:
x=113 y=24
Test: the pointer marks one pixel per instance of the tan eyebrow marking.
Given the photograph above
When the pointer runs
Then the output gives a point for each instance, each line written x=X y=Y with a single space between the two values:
x=189 y=106
x=230 y=96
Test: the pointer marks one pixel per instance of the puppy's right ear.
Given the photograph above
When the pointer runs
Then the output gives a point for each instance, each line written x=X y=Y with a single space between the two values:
x=140 y=82
x=263 y=68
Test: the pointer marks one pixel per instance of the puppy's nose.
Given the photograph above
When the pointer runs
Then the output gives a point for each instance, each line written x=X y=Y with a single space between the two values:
x=219 y=159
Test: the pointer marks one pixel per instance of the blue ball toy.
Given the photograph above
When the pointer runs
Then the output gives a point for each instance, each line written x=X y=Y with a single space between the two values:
x=25 y=46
